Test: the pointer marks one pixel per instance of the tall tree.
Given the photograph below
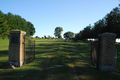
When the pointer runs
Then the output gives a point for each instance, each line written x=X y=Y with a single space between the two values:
x=113 y=21
x=98 y=28
x=68 y=35
x=31 y=29
x=58 y=31
x=4 y=28
x=49 y=37
x=78 y=36
x=45 y=37
x=12 y=22
x=86 y=32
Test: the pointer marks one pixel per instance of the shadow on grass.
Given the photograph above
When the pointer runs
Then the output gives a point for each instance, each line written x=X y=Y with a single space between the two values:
x=118 y=56
x=44 y=68
x=43 y=48
x=3 y=63
x=54 y=73
x=3 y=53
x=89 y=73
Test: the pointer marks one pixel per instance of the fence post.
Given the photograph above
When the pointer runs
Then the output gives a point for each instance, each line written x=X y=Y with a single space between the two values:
x=24 y=51
x=94 y=53
x=34 y=49
x=107 y=52
x=16 y=47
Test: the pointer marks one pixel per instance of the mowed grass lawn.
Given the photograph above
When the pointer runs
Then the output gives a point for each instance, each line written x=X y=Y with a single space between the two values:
x=56 y=60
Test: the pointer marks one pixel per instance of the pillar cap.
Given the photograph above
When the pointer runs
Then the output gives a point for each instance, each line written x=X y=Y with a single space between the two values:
x=17 y=31
x=107 y=34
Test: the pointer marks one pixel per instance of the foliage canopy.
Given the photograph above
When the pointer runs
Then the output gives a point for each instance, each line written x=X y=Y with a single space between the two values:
x=110 y=23
x=58 y=31
x=12 y=22
x=68 y=35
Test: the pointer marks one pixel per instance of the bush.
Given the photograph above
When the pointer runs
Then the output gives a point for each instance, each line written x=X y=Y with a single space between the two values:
x=4 y=37
x=37 y=37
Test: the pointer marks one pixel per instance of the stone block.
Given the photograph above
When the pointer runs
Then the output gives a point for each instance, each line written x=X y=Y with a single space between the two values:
x=107 y=51
x=16 y=47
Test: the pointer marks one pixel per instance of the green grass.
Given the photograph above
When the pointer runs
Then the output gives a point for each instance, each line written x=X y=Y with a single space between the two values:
x=49 y=53
x=118 y=57
x=4 y=51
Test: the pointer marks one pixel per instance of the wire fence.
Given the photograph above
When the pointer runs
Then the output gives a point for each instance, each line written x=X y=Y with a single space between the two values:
x=29 y=50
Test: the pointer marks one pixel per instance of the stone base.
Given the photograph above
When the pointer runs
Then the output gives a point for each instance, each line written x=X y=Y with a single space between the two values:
x=17 y=64
x=106 y=68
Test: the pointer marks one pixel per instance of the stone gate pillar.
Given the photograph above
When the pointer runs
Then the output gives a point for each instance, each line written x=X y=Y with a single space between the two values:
x=107 y=51
x=16 y=47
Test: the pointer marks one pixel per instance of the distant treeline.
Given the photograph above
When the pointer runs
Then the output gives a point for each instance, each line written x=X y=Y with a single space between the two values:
x=14 y=22
x=110 y=23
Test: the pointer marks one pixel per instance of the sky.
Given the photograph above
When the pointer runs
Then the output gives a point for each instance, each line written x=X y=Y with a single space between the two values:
x=71 y=15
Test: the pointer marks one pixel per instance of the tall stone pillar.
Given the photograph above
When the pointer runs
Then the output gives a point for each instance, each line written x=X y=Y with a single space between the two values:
x=107 y=51
x=16 y=47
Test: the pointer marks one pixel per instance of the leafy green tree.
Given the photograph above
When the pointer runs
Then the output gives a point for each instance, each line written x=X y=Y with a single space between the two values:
x=110 y=23
x=68 y=35
x=4 y=28
x=12 y=22
x=113 y=21
x=49 y=37
x=31 y=29
x=53 y=38
x=58 y=31
x=77 y=36
x=86 y=33
x=98 y=28
x=45 y=37
x=37 y=37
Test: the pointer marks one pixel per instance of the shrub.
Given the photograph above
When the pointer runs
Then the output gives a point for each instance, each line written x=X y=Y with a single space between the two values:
x=4 y=37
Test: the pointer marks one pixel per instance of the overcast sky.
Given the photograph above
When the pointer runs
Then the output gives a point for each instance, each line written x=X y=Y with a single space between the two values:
x=71 y=15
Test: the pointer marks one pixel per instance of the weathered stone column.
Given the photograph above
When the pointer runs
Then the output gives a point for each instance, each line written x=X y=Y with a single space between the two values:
x=107 y=51
x=16 y=47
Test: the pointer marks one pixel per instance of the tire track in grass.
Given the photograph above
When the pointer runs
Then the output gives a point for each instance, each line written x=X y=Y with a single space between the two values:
x=80 y=61
x=49 y=56
x=50 y=66
x=59 y=69
x=74 y=70
x=44 y=63
x=51 y=72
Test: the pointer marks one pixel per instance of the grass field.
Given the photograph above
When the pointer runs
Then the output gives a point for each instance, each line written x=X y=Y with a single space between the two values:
x=56 y=60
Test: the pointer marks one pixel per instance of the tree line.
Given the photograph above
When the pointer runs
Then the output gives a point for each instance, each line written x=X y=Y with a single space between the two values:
x=45 y=37
x=14 y=22
x=67 y=35
x=110 y=23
